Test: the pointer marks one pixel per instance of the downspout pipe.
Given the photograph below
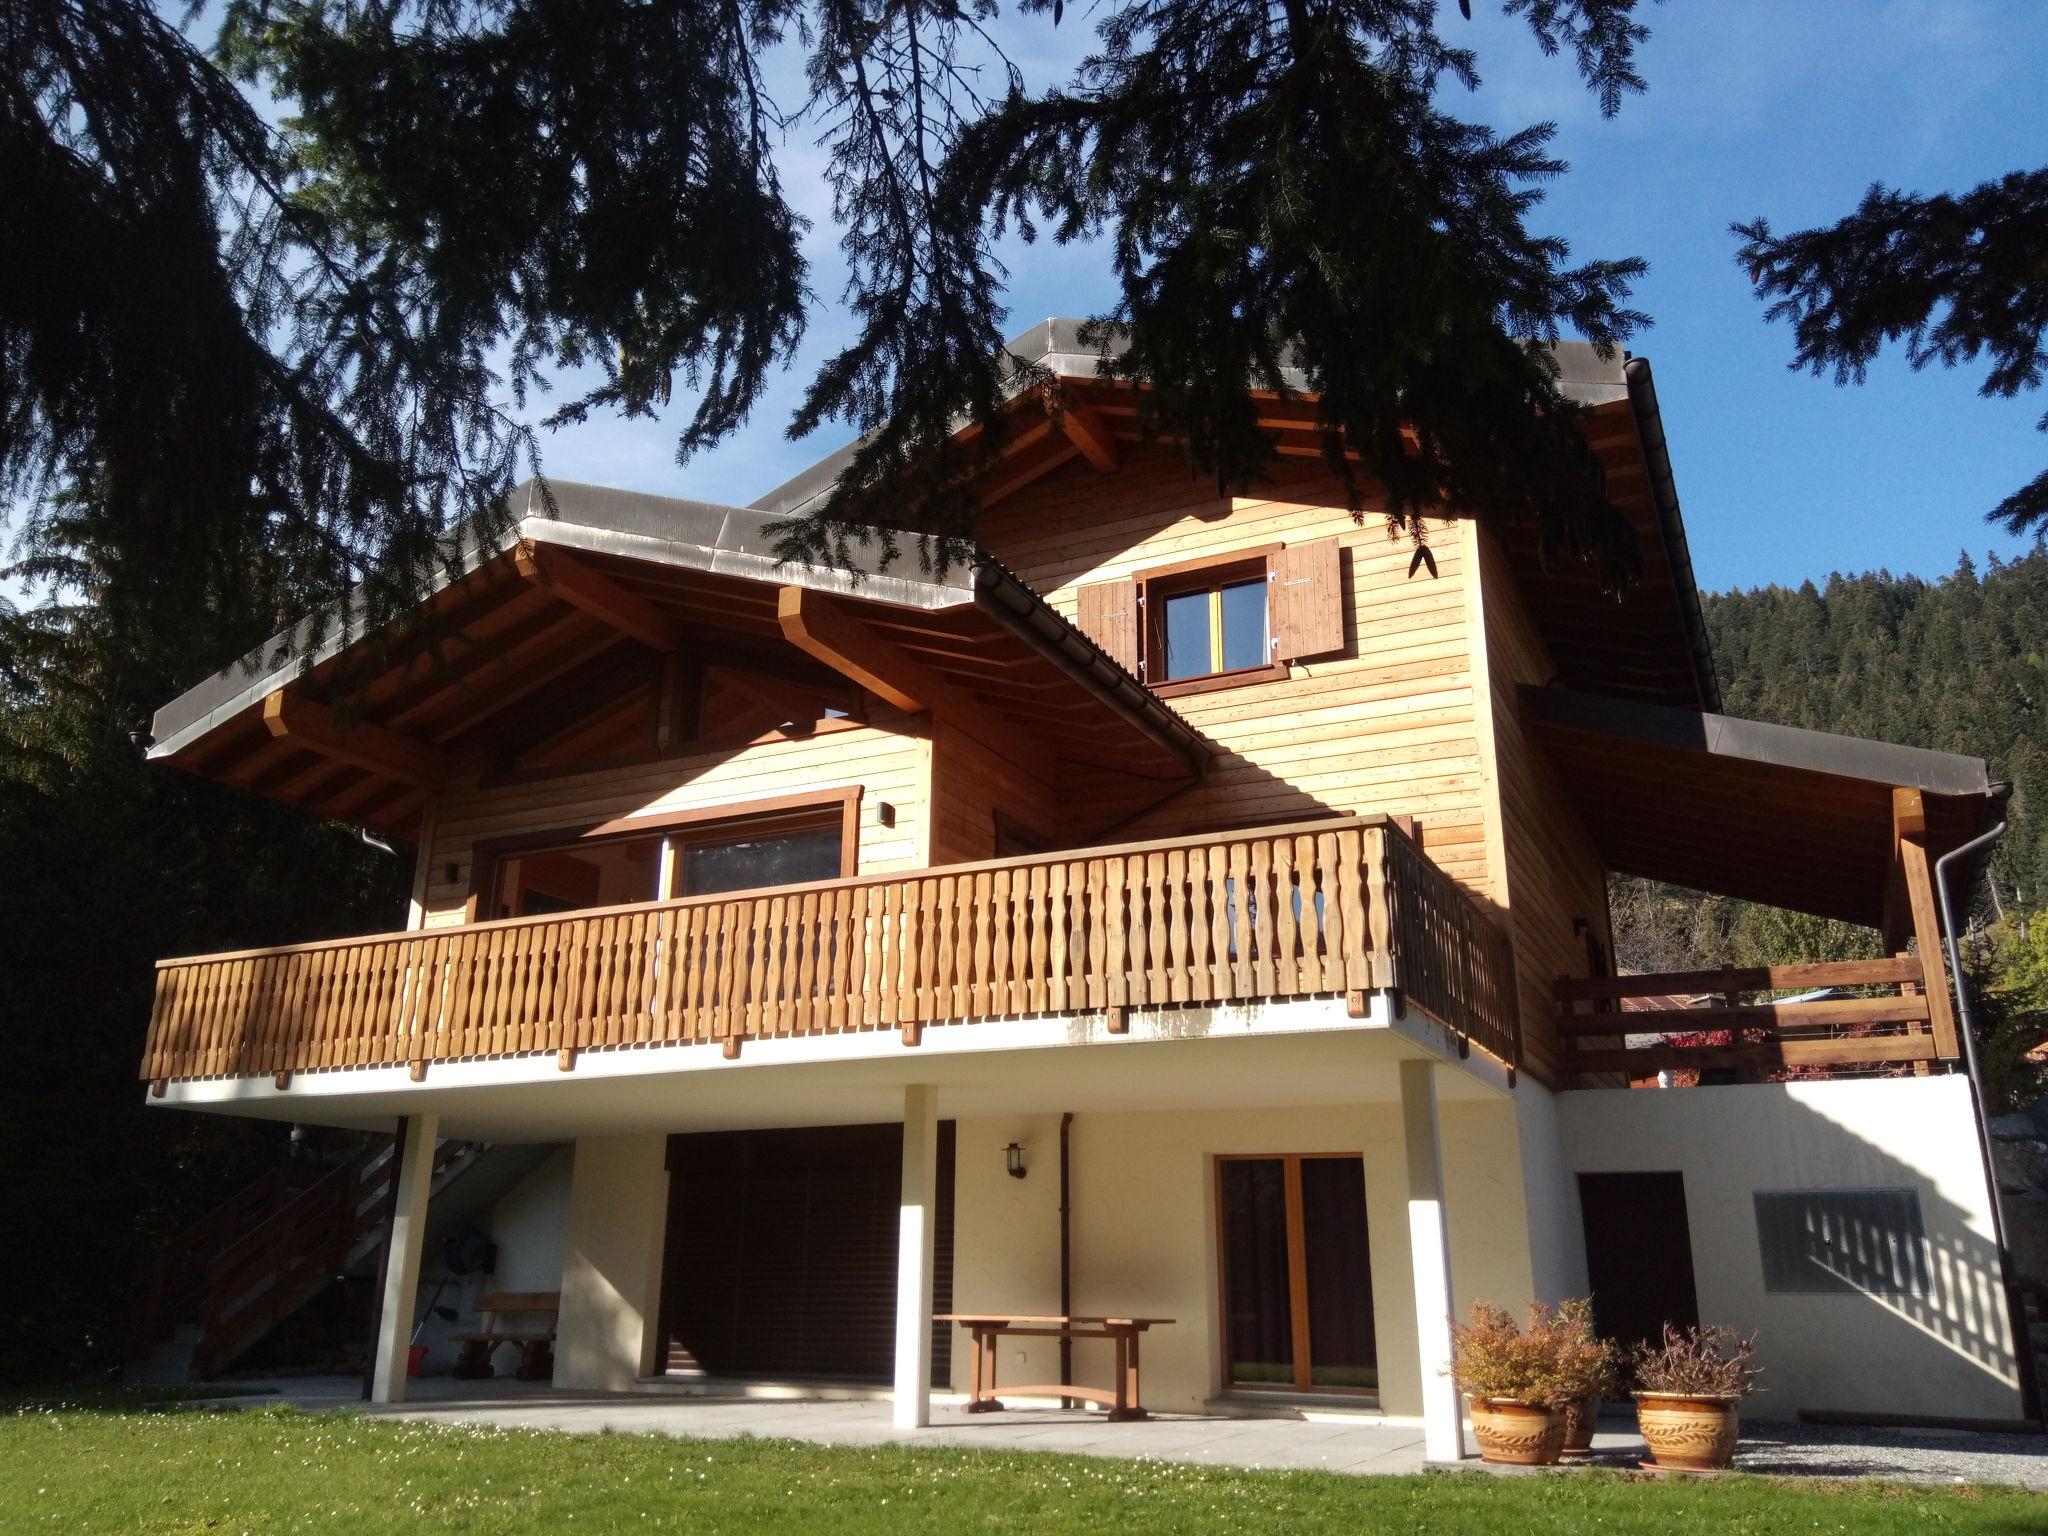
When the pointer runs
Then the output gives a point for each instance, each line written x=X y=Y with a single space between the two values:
x=1066 y=1258
x=1967 y=1027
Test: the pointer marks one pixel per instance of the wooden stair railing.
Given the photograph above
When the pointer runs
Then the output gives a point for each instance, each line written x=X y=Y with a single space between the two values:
x=176 y=1279
x=1336 y=906
x=1891 y=1027
x=248 y=1265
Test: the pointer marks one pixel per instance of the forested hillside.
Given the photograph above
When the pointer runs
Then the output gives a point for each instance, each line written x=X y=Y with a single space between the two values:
x=1959 y=664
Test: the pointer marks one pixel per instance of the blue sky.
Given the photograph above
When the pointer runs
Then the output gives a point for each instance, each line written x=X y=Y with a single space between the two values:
x=1770 y=107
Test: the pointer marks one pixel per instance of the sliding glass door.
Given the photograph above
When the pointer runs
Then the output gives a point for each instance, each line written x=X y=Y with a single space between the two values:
x=1297 y=1273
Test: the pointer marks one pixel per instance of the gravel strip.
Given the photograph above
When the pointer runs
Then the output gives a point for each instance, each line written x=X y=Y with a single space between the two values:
x=1909 y=1455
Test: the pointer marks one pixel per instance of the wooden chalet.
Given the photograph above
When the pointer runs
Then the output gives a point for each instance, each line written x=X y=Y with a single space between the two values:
x=1218 y=860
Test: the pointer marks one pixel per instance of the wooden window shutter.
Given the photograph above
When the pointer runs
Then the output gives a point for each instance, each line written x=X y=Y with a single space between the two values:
x=1109 y=617
x=1308 y=600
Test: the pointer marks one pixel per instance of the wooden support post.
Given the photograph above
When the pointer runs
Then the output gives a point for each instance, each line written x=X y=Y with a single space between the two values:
x=1909 y=825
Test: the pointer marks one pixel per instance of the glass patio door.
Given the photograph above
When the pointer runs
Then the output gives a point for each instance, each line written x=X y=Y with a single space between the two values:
x=1297 y=1274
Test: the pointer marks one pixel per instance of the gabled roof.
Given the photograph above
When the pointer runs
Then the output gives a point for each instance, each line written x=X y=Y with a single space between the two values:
x=612 y=578
x=1649 y=645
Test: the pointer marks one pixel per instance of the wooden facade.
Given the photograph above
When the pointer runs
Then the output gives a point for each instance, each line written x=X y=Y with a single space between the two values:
x=1026 y=828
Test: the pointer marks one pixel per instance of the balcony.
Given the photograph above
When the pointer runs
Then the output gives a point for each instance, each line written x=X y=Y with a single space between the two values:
x=1336 y=907
x=1850 y=1017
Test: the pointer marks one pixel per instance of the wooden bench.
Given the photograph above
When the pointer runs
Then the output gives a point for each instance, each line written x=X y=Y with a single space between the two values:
x=536 y=1346
x=1122 y=1400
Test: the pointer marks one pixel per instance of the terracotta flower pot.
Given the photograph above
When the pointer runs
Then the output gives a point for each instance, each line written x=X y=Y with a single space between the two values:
x=1580 y=1415
x=1517 y=1434
x=1687 y=1433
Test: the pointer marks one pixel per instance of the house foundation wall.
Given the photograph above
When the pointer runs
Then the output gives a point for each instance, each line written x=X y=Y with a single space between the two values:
x=1944 y=1352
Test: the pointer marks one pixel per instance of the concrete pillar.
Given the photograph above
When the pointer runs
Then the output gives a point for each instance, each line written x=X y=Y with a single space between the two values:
x=915 y=1234
x=417 y=1135
x=1429 y=1249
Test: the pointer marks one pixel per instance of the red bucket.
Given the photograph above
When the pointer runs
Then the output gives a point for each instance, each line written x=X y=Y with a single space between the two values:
x=415 y=1357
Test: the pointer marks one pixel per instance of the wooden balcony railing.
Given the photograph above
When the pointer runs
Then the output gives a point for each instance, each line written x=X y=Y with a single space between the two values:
x=1341 y=906
x=1886 y=1027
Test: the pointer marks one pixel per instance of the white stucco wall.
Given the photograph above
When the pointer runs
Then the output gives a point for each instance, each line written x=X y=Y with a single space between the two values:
x=1144 y=1239
x=1948 y=1353
x=530 y=1225
x=611 y=1266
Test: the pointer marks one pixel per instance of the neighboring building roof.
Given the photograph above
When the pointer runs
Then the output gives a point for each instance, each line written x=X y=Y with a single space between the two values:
x=1771 y=813
x=712 y=572
x=1651 y=644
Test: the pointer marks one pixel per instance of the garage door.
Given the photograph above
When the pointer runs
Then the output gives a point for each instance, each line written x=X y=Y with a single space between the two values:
x=780 y=1254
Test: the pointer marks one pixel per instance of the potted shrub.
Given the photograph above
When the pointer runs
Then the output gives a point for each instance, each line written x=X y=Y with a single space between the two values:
x=1593 y=1363
x=1688 y=1389
x=1516 y=1381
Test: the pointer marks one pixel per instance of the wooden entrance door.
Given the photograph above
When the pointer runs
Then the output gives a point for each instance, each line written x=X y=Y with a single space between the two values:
x=1297 y=1273
x=1638 y=1254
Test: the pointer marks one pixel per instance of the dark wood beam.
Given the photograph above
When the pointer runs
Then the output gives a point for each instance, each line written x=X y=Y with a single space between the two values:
x=581 y=586
x=360 y=745
x=1090 y=434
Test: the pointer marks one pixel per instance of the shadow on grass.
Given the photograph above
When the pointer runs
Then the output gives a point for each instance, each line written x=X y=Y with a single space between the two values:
x=110 y=1397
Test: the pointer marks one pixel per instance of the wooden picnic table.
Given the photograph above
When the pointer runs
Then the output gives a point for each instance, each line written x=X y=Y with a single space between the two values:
x=1123 y=1401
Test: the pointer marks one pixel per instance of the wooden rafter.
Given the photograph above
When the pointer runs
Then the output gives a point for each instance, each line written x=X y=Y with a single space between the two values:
x=828 y=628
x=821 y=626
x=581 y=586
x=360 y=745
x=1089 y=433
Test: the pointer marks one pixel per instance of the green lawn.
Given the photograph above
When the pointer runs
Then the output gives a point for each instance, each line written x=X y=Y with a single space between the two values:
x=83 y=1471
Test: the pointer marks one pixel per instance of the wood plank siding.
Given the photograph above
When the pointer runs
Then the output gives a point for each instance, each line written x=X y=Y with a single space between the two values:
x=890 y=761
x=1386 y=724
x=1547 y=876
x=1397 y=719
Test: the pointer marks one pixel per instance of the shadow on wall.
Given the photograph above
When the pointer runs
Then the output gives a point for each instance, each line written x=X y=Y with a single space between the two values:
x=1847 y=1224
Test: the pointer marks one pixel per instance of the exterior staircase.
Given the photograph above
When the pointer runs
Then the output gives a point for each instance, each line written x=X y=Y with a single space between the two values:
x=217 y=1288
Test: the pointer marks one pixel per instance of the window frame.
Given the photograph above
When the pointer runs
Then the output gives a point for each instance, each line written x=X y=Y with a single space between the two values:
x=701 y=824
x=1210 y=573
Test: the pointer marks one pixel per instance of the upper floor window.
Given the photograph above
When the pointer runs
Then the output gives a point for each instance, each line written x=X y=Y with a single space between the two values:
x=1212 y=623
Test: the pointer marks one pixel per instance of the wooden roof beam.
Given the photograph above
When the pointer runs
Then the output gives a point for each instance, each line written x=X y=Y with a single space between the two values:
x=361 y=745
x=581 y=586
x=1088 y=432
x=822 y=626
x=828 y=628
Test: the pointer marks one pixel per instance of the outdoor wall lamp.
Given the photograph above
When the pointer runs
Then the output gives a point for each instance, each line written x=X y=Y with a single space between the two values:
x=1014 y=1156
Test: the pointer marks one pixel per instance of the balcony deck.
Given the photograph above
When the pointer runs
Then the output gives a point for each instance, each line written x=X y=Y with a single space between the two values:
x=1337 y=907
